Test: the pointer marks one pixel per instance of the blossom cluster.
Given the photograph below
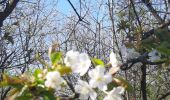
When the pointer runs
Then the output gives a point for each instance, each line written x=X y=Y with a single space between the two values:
x=80 y=63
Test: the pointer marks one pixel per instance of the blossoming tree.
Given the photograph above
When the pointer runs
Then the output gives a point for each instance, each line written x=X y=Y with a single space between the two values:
x=44 y=84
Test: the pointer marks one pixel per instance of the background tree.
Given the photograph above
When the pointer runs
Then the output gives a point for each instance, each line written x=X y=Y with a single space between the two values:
x=136 y=30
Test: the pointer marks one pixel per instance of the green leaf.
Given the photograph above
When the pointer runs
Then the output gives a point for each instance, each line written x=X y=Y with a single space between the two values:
x=25 y=97
x=167 y=62
x=63 y=69
x=38 y=80
x=96 y=61
x=164 y=50
x=24 y=94
x=47 y=95
x=36 y=72
x=150 y=43
x=163 y=34
x=111 y=85
x=55 y=57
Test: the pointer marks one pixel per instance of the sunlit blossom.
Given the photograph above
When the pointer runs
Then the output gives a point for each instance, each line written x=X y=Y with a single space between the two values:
x=115 y=94
x=85 y=91
x=99 y=78
x=53 y=80
x=114 y=62
x=79 y=62
x=113 y=59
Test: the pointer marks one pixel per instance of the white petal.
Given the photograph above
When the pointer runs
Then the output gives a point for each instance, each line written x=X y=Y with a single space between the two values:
x=71 y=58
x=99 y=78
x=113 y=70
x=117 y=97
x=78 y=88
x=115 y=94
x=102 y=87
x=113 y=97
x=79 y=63
x=53 y=79
x=113 y=60
x=107 y=98
x=100 y=69
x=83 y=97
x=47 y=84
x=85 y=90
x=93 y=95
x=93 y=83
x=108 y=78
x=119 y=90
x=84 y=63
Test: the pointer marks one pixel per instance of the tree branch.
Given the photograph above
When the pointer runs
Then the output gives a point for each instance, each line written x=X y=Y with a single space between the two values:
x=8 y=10
x=142 y=59
x=153 y=11
x=152 y=31
x=143 y=82
x=80 y=19
x=164 y=96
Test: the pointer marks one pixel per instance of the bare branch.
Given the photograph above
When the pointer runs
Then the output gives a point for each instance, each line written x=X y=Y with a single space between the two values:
x=8 y=10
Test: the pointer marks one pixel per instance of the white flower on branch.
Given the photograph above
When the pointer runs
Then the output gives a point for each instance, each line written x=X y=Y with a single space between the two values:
x=115 y=94
x=79 y=63
x=53 y=80
x=71 y=58
x=115 y=64
x=113 y=60
x=99 y=78
x=85 y=91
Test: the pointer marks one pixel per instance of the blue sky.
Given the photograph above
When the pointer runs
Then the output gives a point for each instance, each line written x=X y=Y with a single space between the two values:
x=64 y=7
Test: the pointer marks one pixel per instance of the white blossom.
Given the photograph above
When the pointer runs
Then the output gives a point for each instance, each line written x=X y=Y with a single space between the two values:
x=79 y=63
x=53 y=80
x=114 y=62
x=115 y=94
x=99 y=78
x=71 y=58
x=85 y=91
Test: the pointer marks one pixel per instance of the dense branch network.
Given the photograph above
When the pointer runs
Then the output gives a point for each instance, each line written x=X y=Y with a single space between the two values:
x=10 y=5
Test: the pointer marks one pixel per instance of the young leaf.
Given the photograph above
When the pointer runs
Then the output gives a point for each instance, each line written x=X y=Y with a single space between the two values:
x=64 y=70
x=96 y=61
x=36 y=72
x=55 y=57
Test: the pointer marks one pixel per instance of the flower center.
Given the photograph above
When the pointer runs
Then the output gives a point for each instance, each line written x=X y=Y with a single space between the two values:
x=99 y=78
x=85 y=90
